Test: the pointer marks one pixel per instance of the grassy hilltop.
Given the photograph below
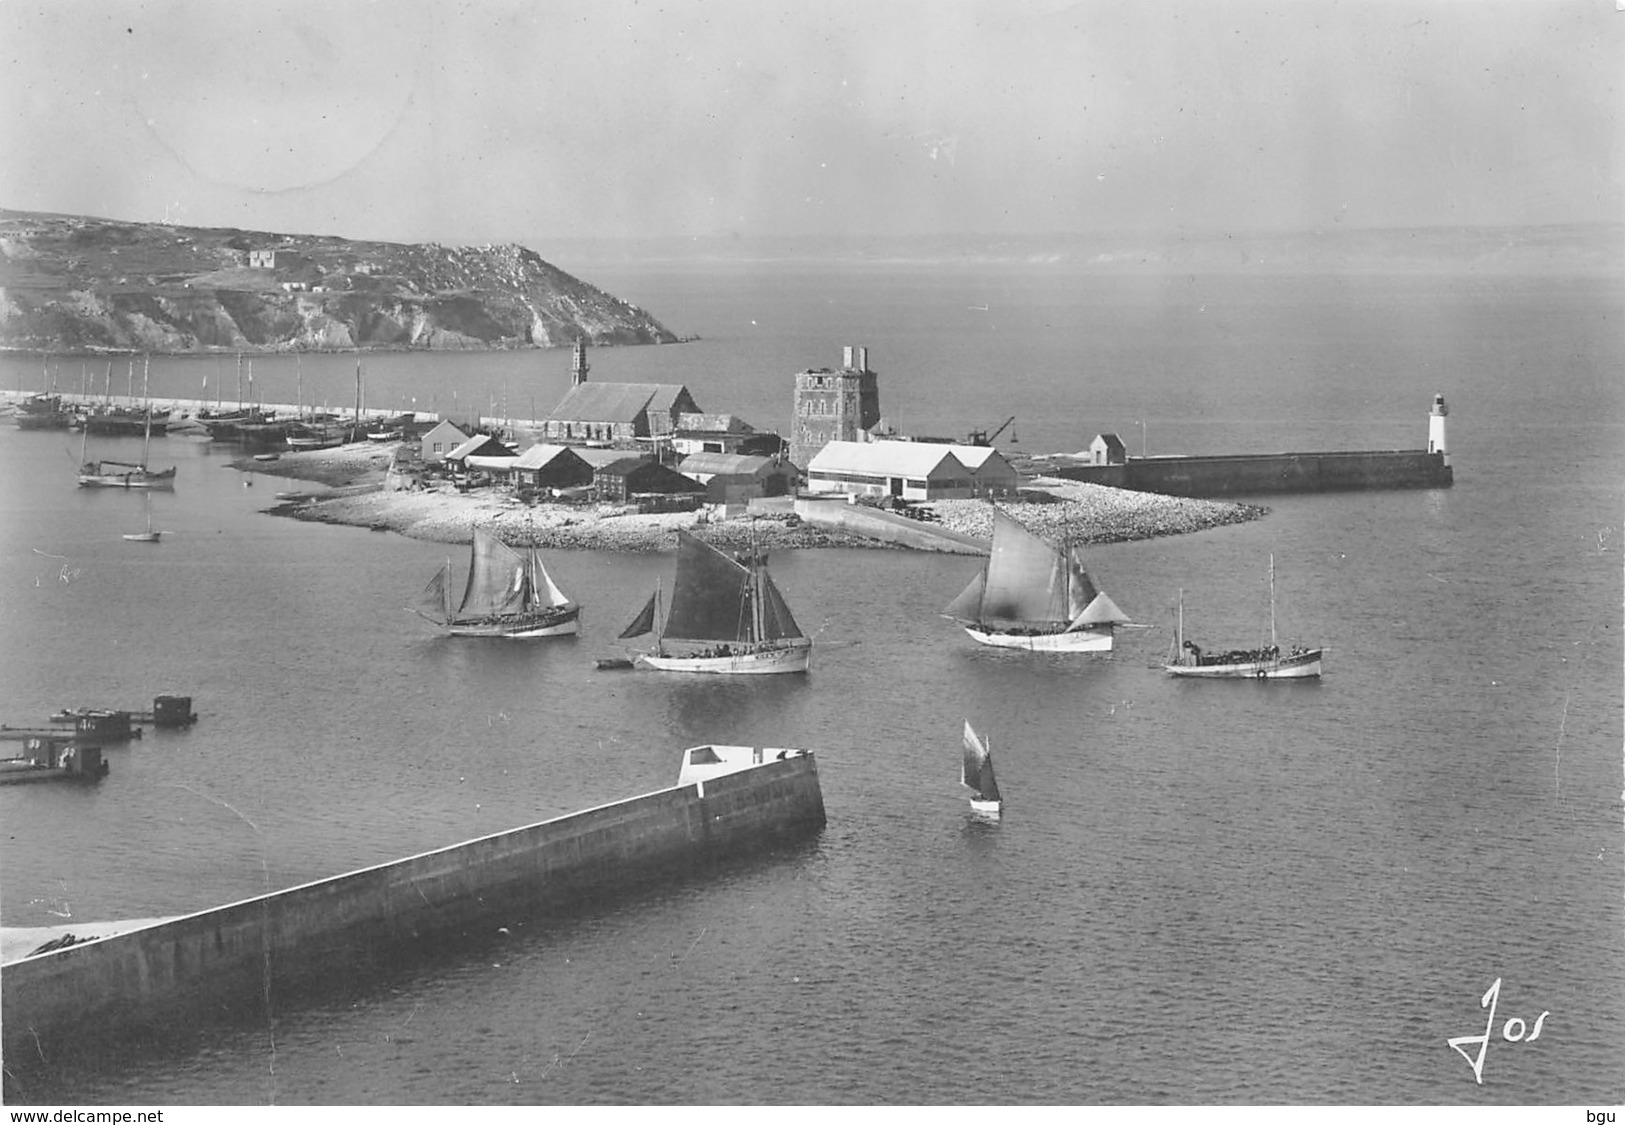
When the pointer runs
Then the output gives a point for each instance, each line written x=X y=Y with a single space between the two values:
x=78 y=284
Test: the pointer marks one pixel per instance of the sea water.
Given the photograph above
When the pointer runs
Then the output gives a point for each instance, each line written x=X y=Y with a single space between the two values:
x=1199 y=891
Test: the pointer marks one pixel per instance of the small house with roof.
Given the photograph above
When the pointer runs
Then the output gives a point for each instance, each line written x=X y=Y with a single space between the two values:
x=735 y=478
x=647 y=483
x=439 y=441
x=722 y=433
x=908 y=470
x=481 y=453
x=551 y=467
x=991 y=474
x=1107 y=449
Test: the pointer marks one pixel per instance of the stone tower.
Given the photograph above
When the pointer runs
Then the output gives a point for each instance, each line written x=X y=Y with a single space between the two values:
x=1436 y=440
x=834 y=405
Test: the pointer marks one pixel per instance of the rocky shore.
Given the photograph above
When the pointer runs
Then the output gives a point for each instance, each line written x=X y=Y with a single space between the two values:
x=357 y=493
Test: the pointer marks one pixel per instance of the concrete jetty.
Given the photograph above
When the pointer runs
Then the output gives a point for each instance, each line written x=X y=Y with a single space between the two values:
x=246 y=959
x=1242 y=474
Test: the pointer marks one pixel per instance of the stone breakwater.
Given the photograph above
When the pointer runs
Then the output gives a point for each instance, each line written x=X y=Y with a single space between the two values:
x=1094 y=513
x=1056 y=509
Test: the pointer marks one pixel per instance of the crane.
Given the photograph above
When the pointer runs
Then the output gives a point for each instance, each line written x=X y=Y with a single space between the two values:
x=982 y=437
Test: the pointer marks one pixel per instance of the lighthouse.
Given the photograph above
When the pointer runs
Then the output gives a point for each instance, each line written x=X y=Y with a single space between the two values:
x=1436 y=417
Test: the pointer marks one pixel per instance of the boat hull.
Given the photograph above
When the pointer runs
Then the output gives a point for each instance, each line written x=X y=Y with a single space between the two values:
x=1075 y=640
x=780 y=658
x=565 y=623
x=134 y=479
x=986 y=808
x=1303 y=666
x=144 y=536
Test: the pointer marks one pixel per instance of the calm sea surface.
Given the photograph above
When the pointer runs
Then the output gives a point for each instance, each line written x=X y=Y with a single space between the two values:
x=1200 y=892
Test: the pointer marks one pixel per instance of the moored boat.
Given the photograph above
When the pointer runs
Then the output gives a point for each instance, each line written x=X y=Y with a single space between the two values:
x=43 y=412
x=1034 y=596
x=726 y=618
x=125 y=474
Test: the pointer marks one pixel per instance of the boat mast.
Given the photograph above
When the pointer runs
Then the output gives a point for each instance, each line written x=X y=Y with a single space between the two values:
x=1272 y=601
x=146 y=406
x=1179 y=630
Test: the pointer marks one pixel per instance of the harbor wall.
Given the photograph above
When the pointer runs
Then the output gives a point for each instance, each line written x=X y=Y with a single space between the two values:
x=1250 y=474
x=854 y=519
x=240 y=960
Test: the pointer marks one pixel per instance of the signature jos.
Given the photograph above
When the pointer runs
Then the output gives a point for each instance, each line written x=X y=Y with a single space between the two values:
x=1513 y=1031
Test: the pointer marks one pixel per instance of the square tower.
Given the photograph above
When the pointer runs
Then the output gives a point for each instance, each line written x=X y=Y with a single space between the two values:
x=834 y=405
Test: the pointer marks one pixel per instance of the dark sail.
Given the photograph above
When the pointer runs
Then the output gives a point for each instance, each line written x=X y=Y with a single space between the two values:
x=711 y=598
x=435 y=601
x=777 y=622
x=644 y=622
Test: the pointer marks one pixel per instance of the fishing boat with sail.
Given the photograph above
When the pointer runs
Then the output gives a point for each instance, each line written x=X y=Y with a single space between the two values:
x=1032 y=595
x=509 y=594
x=1186 y=658
x=726 y=617
x=977 y=776
x=124 y=474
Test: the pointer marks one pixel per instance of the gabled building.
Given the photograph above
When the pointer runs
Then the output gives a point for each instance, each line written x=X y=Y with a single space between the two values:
x=909 y=470
x=551 y=466
x=734 y=478
x=721 y=433
x=482 y=451
x=439 y=441
x=991 y=474
x=630 y=479
x=617 y=413
x=1107 y=449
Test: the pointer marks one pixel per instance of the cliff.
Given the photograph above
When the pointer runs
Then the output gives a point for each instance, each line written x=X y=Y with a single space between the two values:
x=75 y=283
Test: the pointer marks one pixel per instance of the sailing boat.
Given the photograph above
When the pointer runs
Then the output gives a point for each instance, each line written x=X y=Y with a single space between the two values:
x=509 y=594
x=149 y=535
x=726 y=616
x=977 y=775
x=1034 y=596
x=124 y=474
x=1186 y=658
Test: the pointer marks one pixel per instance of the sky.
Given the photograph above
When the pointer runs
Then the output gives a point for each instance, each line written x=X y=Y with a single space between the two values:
x=478 y=121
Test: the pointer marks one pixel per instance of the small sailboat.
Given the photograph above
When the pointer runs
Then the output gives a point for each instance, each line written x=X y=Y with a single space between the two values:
x=124 y=474
x=149 y=535
x=1031 y=595
x=509 y=594
x=726 y=617
x=1186 y=658
x=977 y=776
